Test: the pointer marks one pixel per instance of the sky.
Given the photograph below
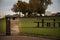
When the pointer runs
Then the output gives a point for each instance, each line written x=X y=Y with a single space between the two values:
x=6 y=5
x=55 y=7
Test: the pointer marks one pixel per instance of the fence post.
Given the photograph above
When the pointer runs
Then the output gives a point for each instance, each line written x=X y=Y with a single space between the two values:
x=8 y=26
x=42 y=22
x=59 y=24
x=38 y=24
x=48 y=24
x=54 y=23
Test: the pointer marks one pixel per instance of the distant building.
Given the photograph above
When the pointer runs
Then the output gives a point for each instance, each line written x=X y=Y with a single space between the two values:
x=48 y=13
x=58 y=14
x=53 y=14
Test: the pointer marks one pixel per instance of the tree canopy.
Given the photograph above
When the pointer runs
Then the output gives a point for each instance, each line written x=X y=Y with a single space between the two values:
x=38 y=6
x=20 y=7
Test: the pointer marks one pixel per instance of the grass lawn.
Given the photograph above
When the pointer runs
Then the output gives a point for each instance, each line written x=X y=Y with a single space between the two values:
x=28 y=26
x=2 y=26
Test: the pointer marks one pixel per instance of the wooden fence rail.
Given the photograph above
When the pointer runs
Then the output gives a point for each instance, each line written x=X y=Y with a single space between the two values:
x=48 y=23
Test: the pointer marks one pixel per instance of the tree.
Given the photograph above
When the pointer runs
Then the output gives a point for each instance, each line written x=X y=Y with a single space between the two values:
x=39 y=6
x=20 y=7
x=15 y=8
x=25 y=8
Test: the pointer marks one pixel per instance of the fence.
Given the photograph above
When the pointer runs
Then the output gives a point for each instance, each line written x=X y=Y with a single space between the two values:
x=43 y=22
x=48 y=20
x=47 y=23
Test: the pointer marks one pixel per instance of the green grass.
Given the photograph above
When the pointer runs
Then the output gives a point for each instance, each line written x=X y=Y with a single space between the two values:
x=2 y=26
x=42 y=31
x=28 y=26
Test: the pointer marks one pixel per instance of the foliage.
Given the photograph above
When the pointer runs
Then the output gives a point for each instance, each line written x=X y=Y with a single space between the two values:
x=38 y=6
x=15 y=8
x=20 y=7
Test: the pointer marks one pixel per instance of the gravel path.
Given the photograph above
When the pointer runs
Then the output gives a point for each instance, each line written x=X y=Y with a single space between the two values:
x=22 y=38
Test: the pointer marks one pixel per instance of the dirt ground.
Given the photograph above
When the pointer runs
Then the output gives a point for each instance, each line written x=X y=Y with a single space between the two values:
x=22 y=38
x=26 y=37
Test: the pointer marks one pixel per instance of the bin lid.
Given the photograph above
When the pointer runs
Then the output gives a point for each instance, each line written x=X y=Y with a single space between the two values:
x=11 y=16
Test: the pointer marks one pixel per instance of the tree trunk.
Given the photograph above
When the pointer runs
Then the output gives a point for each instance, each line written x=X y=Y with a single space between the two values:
x=29 y=14
x=25 y=14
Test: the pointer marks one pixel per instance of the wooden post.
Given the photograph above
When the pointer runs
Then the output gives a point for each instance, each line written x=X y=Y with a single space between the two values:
x=48 y=24
x=8 y=26
x=54 y=23
x=59 y=24
x=42 y=22
x=38 y=24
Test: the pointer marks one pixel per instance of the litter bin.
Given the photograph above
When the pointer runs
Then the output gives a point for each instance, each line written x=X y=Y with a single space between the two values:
x=12 y=26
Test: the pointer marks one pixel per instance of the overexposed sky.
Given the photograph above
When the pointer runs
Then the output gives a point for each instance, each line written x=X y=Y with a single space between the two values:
x=6 y=5
x=26 y=1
